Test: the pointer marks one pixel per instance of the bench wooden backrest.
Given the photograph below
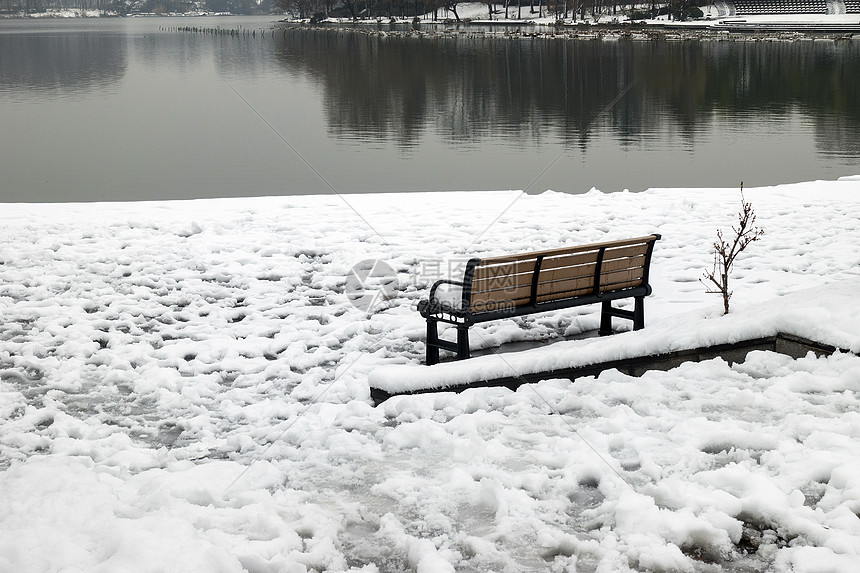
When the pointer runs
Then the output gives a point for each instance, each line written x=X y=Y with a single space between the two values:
x=544 y=276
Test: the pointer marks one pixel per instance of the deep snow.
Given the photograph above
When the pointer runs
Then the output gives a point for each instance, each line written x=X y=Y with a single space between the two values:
x=184 y=387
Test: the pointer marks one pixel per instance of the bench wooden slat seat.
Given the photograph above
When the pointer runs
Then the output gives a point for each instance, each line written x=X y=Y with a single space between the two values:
x=515 y=285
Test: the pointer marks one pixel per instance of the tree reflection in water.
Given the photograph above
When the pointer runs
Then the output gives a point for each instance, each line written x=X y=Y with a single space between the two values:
x=394 y=88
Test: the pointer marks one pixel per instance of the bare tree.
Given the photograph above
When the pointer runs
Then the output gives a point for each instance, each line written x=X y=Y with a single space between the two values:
x=451 y=6
x=300 y=8
x=717 y=280
x=352 y=7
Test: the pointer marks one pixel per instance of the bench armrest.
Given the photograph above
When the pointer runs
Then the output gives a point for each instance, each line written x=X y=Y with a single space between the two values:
x=435 y=304
x=441 y=282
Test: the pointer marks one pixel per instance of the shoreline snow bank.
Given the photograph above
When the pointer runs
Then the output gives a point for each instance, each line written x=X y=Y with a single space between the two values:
x=184 y=387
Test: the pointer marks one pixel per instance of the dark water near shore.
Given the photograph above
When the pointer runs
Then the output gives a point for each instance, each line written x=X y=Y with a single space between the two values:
x=127 y=109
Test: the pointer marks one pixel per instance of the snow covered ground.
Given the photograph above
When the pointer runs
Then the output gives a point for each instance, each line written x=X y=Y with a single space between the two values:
x=184 y=387
x=69 y=13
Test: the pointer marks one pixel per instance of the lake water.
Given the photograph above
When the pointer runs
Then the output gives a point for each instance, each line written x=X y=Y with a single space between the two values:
x=126 y=109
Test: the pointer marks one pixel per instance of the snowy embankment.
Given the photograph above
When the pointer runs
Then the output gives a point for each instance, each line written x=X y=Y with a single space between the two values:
x=184 y=387
x=68 y=13
x=817 y=314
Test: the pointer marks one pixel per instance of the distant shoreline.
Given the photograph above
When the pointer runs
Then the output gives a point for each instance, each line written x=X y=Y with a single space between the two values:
x=737 y=29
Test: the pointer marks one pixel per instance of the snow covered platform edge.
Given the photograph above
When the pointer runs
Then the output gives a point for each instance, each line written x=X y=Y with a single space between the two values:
x=820 y=318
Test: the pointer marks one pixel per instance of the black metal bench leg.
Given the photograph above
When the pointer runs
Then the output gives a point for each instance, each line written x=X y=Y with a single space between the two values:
x=605 y=318
x=639 y=313
x=462 y=342
x=432 y=342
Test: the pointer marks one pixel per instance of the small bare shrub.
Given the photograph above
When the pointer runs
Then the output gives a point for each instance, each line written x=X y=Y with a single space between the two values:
x=725 y=251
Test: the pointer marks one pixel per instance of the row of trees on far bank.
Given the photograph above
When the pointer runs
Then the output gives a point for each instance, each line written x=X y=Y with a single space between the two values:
x=595 y=10
x=496 y=9
x=122 y=7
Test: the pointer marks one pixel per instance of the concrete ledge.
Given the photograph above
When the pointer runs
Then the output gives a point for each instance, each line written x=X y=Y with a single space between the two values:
x=787 y=344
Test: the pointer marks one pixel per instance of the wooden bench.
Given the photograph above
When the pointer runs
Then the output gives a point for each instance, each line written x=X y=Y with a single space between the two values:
x=515 y=285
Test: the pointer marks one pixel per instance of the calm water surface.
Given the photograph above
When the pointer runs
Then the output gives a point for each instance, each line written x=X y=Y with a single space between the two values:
x=126 y=109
